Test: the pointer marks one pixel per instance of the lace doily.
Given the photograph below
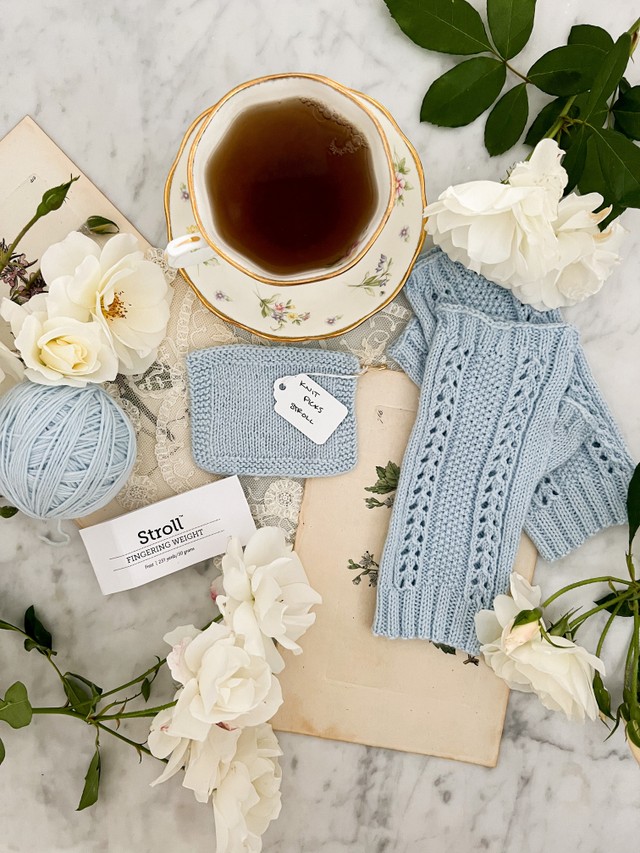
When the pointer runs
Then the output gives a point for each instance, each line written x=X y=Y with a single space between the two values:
x=157 y=403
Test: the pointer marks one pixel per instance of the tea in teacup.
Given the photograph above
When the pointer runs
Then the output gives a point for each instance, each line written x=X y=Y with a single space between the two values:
x=290 y=179
x=292 y=186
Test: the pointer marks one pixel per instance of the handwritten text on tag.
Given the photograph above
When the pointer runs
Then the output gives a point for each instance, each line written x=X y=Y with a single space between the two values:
x=308 y=406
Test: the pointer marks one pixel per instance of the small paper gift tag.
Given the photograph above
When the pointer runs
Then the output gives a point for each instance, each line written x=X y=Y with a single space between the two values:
x=308 y=406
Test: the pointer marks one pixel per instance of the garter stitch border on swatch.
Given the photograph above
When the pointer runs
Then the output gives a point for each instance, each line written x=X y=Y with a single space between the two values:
x=234 y=427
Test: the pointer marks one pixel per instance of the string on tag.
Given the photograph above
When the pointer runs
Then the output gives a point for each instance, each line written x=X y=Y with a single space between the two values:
x=357 y=375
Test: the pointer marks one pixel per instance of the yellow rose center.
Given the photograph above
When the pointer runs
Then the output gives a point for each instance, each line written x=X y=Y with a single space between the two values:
x=64 y=351
x=117 y=309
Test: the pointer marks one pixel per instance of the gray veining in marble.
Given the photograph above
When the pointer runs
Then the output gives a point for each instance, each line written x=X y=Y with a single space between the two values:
x=115 y=85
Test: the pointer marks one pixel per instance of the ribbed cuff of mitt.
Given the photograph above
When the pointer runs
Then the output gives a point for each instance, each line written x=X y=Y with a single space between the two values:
x=575 y=501
x=434 y=613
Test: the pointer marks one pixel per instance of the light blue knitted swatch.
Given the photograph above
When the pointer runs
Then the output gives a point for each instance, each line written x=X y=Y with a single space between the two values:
x=234 y=428
x=491 y=392
x=584 y=487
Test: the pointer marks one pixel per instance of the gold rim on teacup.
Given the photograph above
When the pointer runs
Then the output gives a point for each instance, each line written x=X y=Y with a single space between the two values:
x=320 y=275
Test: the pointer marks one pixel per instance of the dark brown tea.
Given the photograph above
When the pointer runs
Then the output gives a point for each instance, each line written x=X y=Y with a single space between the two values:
x=291 y=186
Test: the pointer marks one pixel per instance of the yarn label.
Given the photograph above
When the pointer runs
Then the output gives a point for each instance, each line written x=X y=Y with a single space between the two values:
x=308 y=406
x=167 y=536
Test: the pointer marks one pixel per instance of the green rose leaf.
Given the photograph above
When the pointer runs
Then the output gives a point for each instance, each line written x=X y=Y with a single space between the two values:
x=633 y=732
x=7 y=626
x=464 y=92
x=145 y=689
x=626 y=111
x=603 y=697
x=544 y=121
x=53 y=198
x=591 y=35
x=573 y=161
x=510 y=23
x=624 y=607
x=101 y=225
x=2 y=751
x=633 y=504
x=82 y=694
x=608 y=76
x=598 y=114
x=35 y=630
x=527 y=616
x=612 y=168
x=91 y=783
x=447 y=26
x=15 y=708
x=506 y=120
x=8 y=511
x=566 y=70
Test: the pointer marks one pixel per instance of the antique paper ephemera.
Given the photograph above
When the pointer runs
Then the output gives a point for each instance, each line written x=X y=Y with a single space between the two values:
x=350 y=685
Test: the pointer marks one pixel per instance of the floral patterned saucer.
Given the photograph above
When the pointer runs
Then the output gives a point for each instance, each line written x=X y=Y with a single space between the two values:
x=320 y=309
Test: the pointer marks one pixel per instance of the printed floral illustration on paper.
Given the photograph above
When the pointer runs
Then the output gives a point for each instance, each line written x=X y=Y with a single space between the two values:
x=376 y=282
x=280 y=311
x=366 y=567
x=402 y=184
x=386 y=484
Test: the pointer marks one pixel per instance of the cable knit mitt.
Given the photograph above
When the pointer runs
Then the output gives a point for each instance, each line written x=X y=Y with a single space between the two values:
x=584 y=487
x=489 y=403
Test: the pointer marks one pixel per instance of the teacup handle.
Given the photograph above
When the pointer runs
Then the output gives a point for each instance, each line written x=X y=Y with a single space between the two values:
x=188 y=250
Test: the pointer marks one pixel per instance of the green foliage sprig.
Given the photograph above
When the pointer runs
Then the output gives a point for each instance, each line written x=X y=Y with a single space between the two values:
x=84 y=701
x=594 y=114
x=623 y=600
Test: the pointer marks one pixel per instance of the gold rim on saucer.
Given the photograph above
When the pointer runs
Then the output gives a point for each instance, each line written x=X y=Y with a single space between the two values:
x=298 y=339
x=190 y=180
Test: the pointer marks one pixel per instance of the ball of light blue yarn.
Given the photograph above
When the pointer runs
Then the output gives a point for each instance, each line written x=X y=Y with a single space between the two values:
x=64 y=452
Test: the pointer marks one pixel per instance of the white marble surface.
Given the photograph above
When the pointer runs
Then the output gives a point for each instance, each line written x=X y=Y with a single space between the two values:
x=115 y=85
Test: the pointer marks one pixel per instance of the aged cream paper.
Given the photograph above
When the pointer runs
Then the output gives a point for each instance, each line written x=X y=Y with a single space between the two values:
x=349 y=685
x=30 y=163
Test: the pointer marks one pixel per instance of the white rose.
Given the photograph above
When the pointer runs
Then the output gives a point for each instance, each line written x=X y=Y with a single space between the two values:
x=524 y=236
x=264 y=594
x=223 y=682
x=248 y=796
x=10 y=365
x=59 y=350
x=497 y=230
x=116 y=286
x=205 y=762
x=585 y=255
x=543 y=169
x=561 y=674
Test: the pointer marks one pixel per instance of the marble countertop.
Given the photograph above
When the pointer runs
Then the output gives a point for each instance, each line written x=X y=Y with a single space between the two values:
x=115 y=85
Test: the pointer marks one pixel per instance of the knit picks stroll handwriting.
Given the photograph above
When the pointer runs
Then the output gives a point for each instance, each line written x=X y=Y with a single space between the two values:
x=308 y=407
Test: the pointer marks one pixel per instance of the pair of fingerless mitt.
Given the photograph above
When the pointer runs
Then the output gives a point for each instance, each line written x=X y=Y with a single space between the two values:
x=511 y=433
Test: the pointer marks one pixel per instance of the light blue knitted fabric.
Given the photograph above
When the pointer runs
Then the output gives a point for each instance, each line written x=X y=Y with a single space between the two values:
x=490 y=397
x=234 y=428
x=585 y=485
